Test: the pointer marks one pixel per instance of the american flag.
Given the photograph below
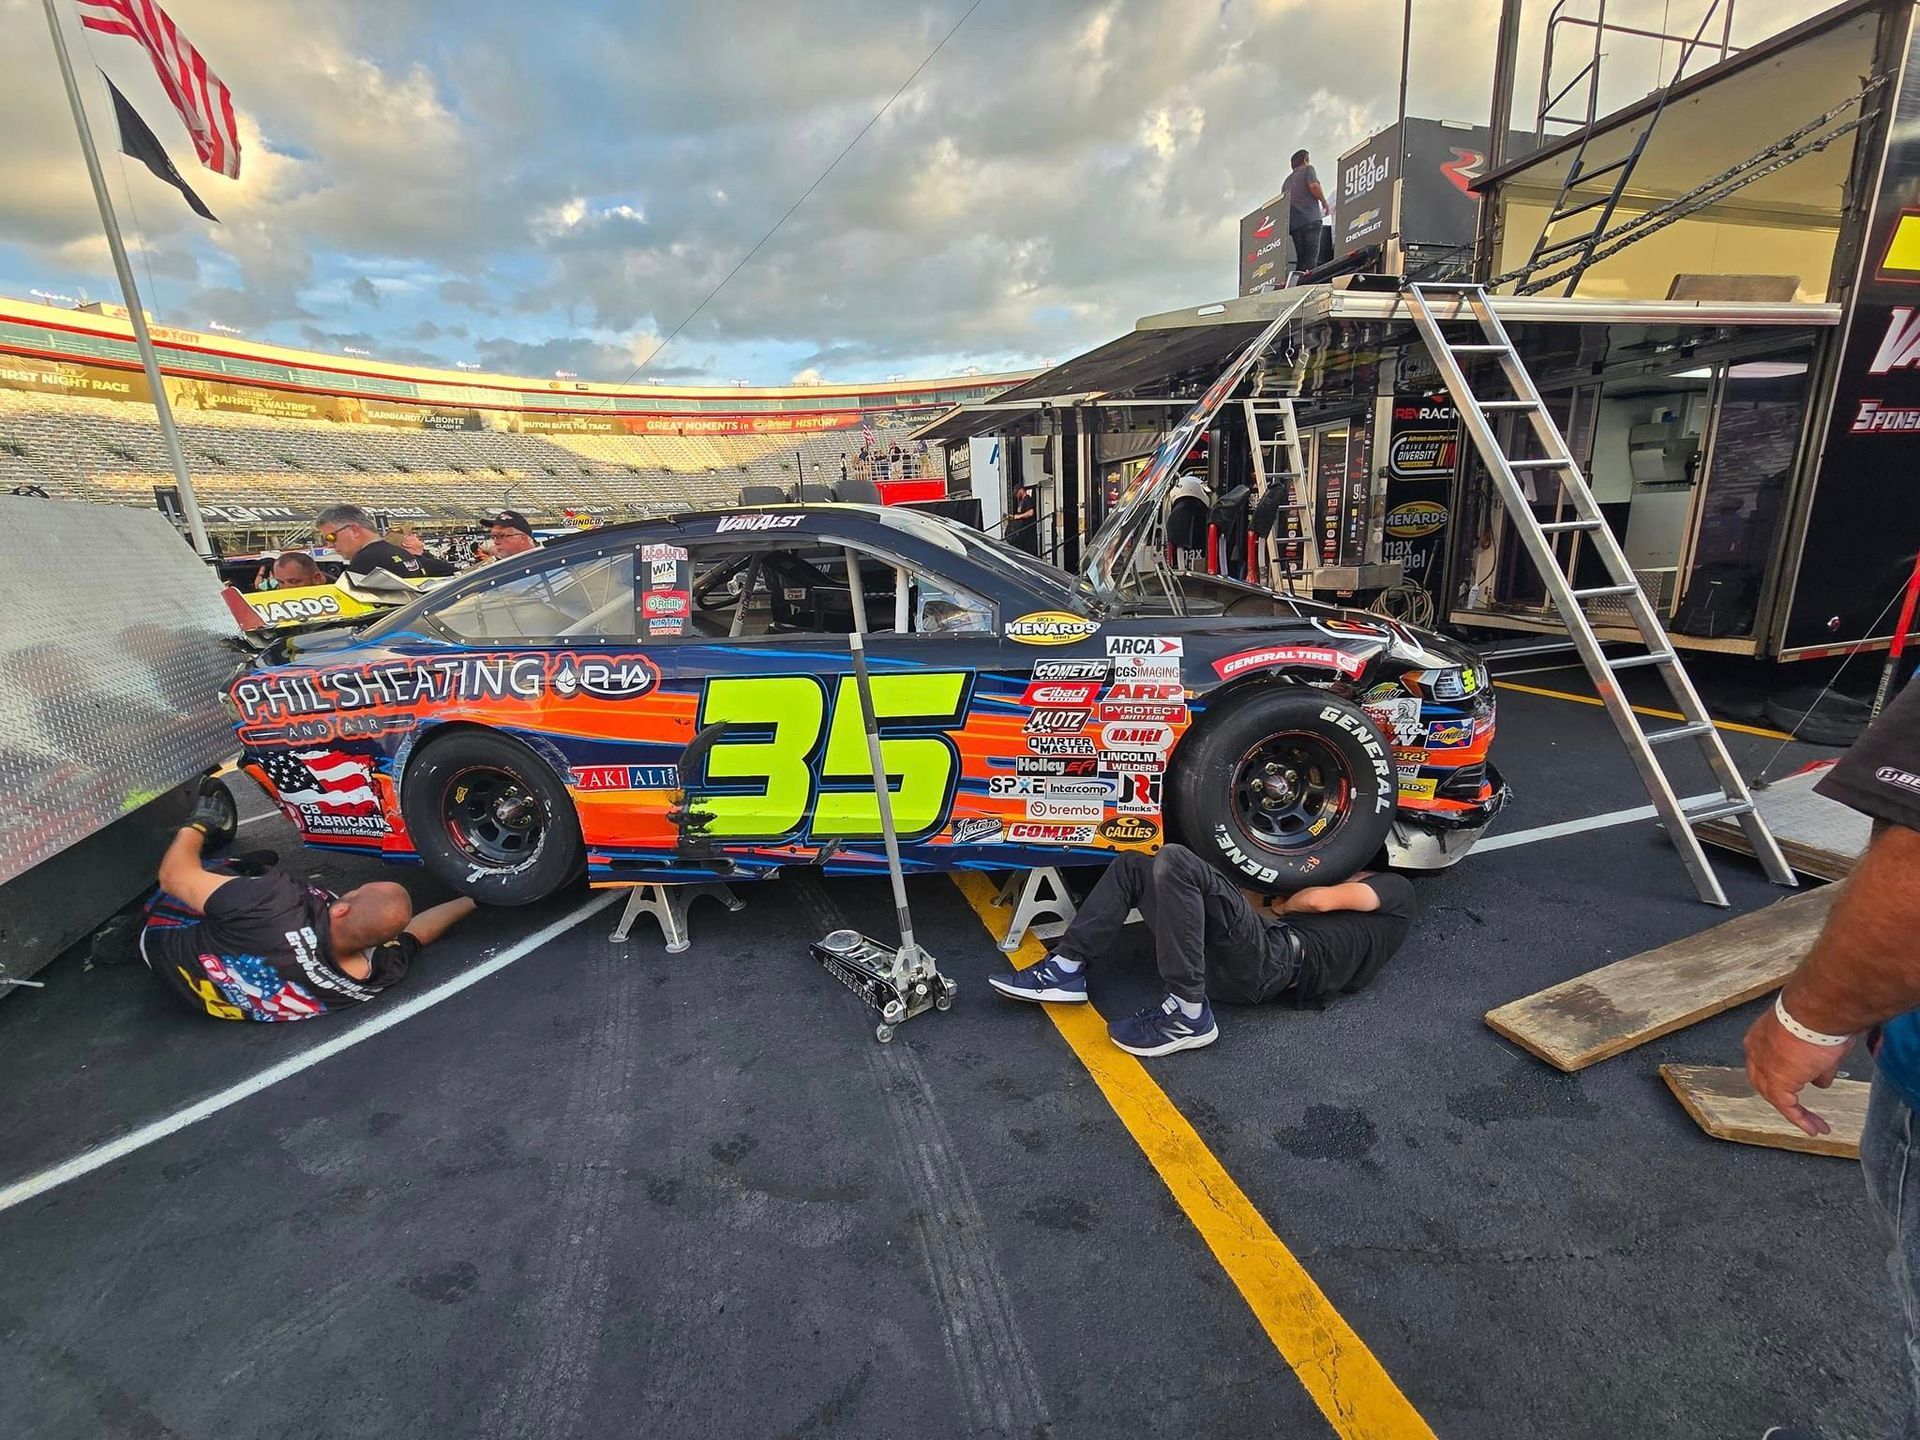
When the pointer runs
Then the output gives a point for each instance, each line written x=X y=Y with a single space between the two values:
x=204 y=103
x=256 y=987
x=338 y=784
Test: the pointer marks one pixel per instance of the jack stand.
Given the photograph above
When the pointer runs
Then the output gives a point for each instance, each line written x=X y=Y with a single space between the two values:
x=1031 y=901
x=896 y=984
x=668 y=904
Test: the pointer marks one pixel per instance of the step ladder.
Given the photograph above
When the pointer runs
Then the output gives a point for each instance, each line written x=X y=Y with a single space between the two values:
x=1576 y=250
x=1273 y=438
x=1434 y=305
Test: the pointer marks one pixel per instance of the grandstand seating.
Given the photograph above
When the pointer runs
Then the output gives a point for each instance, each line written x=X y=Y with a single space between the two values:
x=111 y=450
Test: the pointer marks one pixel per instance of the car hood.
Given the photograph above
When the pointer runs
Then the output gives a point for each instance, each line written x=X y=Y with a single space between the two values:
x=1115 y=547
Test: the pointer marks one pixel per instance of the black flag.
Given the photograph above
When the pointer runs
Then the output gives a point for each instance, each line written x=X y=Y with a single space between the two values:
x=141 y=143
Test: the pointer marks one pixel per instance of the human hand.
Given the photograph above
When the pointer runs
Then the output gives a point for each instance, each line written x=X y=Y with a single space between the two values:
x=1780 y=1064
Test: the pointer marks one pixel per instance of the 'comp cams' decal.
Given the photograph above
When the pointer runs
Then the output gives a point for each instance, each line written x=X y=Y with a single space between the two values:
x=1051 y=627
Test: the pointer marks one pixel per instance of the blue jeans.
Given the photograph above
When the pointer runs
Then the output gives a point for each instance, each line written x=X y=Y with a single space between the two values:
x=1887 y=1156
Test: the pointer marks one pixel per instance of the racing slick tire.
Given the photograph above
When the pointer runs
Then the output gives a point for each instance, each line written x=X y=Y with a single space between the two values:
x=489 y=818
x=1286 y=787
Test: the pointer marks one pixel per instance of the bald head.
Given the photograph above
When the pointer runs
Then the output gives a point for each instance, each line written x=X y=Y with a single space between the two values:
x=370 y=915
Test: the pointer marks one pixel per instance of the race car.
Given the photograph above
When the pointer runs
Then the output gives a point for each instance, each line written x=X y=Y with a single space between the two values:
x=672 y=700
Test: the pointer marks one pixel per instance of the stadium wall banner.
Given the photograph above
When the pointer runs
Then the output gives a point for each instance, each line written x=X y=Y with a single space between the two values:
x=65 y=377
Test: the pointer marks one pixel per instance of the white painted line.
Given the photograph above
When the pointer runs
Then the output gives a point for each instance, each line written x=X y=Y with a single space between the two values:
x=90 y=1160
x=1565 y=827
x=254 y=819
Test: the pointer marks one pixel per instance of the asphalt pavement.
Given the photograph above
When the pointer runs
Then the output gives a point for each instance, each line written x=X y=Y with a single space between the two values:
x=607 y=1191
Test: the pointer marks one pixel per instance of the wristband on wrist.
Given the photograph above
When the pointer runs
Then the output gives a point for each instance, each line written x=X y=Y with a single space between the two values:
x=1800 y=1032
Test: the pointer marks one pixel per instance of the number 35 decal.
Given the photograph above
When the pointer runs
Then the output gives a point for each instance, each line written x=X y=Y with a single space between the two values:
x=770 y=772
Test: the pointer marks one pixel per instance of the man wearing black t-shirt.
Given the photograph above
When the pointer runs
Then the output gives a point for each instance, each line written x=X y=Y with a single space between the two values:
x=352 y=533
x=248 y=943
x=1211 y=938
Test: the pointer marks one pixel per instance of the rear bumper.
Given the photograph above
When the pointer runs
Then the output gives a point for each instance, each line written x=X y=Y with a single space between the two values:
x=1435 y=839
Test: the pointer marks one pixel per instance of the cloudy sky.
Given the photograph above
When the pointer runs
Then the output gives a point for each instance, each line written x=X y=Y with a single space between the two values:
x=554 y=186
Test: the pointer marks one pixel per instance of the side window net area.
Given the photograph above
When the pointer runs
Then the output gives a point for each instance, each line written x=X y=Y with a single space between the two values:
x=589 y=598
x=805 y=591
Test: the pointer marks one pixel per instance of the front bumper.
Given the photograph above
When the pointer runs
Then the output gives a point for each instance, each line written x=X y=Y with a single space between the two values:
x=1435 y=839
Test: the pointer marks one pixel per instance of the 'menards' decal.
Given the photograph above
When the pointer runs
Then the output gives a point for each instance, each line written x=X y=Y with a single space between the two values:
x=1051 y=627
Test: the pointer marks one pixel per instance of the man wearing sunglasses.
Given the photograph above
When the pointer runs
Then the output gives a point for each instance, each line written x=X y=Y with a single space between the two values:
x=352 y=533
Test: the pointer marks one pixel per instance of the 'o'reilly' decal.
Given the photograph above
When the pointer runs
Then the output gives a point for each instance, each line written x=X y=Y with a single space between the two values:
x=1319 y=657
x=1051 y=627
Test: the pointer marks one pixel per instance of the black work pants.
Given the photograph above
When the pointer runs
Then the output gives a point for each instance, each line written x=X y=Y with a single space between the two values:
x=1306 y=245
x=1206 y=937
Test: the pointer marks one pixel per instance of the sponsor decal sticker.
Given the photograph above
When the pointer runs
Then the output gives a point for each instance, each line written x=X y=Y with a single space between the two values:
x=1094 y=670
x=1053 y=765
x=1151 y=762
x=663 y=552
x=1148 y=692
x=1129 y=830
x=1061 y=744
x=1136 y=737
x=1053 y=692
x=1449 y=735
x=625 y=777
x=756 y=522
x=1318 y=657
x=1051 y=627
x=1049 y=833
x=978 y=830
x=285 y=612
x=1398 y=718
x=1139 y=795
x=664 y=573
x=1417 y=788
x=1416 y=517
x=1047 y=807
x=1057 y=722
x=665 y=602
x=1165 y=714
x=1145 y=645
x=416 y=683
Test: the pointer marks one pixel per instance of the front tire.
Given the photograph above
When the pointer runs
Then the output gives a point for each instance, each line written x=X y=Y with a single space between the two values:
x=490 y=819
x=1286 y=787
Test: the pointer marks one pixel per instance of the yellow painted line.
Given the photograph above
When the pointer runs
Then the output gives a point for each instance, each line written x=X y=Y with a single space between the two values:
x=1760 y=730
x=1347 y=1382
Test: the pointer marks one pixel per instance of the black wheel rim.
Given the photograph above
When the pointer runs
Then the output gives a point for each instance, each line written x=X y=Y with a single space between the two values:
x=1291 y=792
x=492 y=818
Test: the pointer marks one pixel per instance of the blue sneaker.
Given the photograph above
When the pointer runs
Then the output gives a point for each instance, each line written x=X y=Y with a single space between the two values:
x=1045 y=981
x=1162 y=1029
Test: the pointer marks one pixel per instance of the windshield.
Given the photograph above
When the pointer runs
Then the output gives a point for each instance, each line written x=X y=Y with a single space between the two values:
x=1115 y=550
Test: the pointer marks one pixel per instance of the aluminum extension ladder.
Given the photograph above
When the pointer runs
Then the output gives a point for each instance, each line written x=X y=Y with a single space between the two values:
x=1470 y=304
x=1273 y=438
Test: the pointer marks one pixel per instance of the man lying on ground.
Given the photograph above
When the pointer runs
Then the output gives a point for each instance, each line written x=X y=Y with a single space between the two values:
x=1211 y=938
x=239 y=940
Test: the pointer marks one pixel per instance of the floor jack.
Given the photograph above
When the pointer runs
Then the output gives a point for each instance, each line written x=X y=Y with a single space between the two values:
x=900 y=983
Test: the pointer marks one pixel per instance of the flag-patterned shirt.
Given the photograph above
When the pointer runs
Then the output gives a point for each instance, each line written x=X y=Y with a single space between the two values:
x=263 y=950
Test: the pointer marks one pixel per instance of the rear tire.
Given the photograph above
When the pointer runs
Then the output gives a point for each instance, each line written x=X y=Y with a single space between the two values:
x=1284 y=788
x=491 y=819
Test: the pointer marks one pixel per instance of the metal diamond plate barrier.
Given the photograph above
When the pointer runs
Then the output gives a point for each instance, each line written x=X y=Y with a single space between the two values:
x=114 y=646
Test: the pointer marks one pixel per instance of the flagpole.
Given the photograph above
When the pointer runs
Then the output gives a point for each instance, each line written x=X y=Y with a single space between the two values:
x=137 y=316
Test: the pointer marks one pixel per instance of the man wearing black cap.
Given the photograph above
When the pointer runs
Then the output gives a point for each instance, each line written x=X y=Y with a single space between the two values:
x=511 y=534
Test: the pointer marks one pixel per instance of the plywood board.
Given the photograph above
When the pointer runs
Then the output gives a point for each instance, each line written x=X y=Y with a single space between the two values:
x=1819 y=837
x=1723 y=1104
x=1632 y=1001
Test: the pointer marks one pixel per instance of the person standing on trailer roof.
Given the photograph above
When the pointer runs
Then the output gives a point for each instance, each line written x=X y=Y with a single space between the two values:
x=1306 y=205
